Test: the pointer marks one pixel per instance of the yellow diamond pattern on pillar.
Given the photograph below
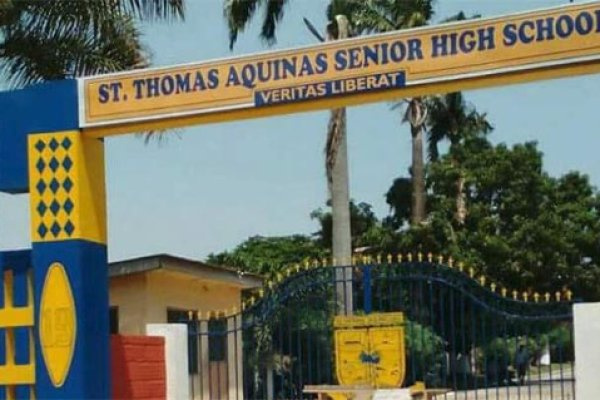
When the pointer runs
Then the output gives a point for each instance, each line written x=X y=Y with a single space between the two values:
x=64 y=203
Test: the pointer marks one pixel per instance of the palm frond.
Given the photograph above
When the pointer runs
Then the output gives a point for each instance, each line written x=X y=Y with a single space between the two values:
x=273 y=15
x=452 y=118
x=31 y=56
x=42 y=40
x=152 y=9
x=238 y=14
x=460 y=16
x=313 y=30
x=59 y=16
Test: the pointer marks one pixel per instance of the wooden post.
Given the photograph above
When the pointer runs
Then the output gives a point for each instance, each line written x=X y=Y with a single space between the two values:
x=204 y=362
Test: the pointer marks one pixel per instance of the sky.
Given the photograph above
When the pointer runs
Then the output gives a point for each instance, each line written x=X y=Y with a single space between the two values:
x=207 y=188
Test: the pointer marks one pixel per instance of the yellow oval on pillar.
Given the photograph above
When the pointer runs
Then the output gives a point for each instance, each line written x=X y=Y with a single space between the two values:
x=57 y=325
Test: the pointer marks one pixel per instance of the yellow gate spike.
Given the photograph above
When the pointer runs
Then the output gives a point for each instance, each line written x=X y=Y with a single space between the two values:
x=525 y=296
x=557 y=296
x=378 y=258
x=409 y=257
x=536 y=297
x=389 y=258
x=420 y=256
x=569 y=295
x=399 y=257
x=471 y=272
x=325 y=261
x=315 y=263
x=270 y=284
x=190 y=315
x=199 y=314
x=515 y=294
x=504 y=291
x=369 y=259
x=547 y=297
x=461 y=266
x=450 y=262
x=279 y=277
x=297 y=266
x=493 y=287
x=429 y=257
x=261 y=293
x=440 y=259
x=288 y=272
x=252 y=300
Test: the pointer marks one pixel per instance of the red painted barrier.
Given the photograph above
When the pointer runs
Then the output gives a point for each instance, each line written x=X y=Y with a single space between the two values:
x=138 y=367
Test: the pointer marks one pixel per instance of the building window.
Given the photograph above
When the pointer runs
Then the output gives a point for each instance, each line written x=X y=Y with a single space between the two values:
x=179 y=316
x=113 y=319
x=217 y=340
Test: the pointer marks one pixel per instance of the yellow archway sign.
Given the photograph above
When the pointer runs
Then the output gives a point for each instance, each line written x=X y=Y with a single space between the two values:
x=550 y=43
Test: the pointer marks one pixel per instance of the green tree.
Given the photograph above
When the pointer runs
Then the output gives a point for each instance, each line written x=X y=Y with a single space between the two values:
x=368 y=232
x=269 y=255
x=451 y=118
x=44 y=40
x=524 y=230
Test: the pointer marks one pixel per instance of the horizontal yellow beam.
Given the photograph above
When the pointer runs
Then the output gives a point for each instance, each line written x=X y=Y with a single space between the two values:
x=17 y=375
x=16 y=317
x=515 y=77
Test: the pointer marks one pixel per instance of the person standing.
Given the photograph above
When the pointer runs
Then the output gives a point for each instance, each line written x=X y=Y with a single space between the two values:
x=521 y=363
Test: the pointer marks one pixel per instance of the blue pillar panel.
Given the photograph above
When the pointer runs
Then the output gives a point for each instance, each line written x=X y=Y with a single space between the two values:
x=46 y=107
x=88 y=373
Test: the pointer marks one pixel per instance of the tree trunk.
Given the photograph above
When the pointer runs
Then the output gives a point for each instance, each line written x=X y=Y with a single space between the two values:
x=340 y=210
x=418 y=175
x=336 y=163
x=461 y=201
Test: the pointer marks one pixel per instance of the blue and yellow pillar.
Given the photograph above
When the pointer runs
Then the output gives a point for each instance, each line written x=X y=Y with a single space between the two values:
x=69 y=256
x=17 y=360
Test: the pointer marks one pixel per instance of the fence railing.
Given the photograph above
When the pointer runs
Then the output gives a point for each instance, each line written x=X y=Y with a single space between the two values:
x=477 y=341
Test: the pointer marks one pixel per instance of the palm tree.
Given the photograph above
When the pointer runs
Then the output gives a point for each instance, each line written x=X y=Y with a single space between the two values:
x=451 y=118
x=44 y=40
x=377 y=16
x=336 y=165
x=238 y=13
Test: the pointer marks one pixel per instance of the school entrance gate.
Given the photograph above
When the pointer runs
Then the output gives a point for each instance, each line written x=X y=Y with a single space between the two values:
x=54 y=315
x=464 y=336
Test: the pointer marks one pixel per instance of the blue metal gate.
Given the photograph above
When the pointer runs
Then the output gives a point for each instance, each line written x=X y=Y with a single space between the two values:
x=463 y=334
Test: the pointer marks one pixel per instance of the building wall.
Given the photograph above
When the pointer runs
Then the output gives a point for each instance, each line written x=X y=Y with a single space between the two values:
x=144 y=298
x=586 y=324
x=129 y=293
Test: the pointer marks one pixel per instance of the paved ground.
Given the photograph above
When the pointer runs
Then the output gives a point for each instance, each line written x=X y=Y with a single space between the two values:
x=534 y=391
